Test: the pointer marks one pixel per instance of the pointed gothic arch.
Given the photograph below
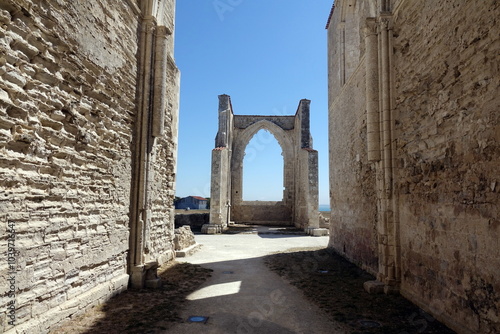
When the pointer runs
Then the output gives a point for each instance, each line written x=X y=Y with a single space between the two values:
x=299 y=206
x=241 y=141
x=263 y=153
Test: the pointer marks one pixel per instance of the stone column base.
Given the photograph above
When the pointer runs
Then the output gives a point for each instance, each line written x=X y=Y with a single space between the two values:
x=211 y=229
x=374 y=287
x=316 y=231
x=145 y=276
x=377 y=287
x=391 y=289
x=137 y=277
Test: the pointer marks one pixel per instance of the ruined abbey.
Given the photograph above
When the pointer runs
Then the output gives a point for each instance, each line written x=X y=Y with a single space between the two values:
x=299 y=206
x=89 y=105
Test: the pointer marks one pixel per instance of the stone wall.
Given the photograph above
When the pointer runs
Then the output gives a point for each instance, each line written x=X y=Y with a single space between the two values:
x=421 y=211
x=261 y=212
x=447 y=79
x=194 y=220
x=68 y=92
x=353 y=222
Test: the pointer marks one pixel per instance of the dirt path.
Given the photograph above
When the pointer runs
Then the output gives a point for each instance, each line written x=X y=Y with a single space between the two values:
x=258 y=282
x=336 y=286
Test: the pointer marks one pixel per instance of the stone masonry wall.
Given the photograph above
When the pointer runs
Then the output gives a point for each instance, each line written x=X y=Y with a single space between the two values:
x=444 y=91
x=353 y=221
x=447 y=79
x=161 y=232
x=67 y=91
x=352 y=178
x=262 y=212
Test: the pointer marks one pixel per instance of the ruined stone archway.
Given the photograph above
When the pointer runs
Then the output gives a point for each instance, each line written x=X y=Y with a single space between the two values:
x=299 y=206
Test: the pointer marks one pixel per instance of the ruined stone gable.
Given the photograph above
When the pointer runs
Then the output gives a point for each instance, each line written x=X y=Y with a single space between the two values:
x=299 y=206
x=414 y=154
x=70 y=137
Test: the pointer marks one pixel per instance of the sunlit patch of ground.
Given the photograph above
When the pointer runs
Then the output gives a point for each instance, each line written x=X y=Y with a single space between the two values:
x=142 y=311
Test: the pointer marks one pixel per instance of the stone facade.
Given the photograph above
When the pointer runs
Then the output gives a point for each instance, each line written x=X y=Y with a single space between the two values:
x=299 y=206
x=87 y=185
x=414 y=154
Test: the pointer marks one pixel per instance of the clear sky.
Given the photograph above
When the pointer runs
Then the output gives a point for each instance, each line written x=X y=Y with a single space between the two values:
x=267 y=55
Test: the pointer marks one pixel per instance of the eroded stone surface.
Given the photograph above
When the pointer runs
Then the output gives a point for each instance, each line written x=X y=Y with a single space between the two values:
x=414 y=154
x=184 y=238
x=68 y=118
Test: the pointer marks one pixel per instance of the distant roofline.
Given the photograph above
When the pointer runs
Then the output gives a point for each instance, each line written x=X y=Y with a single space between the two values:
x=330 y=16
x=199 y=198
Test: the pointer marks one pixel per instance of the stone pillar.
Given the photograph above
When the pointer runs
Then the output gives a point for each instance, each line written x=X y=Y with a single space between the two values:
x=305 y=130
x=388 y=222
x=140 y=213
x=312 y=190
x=372 y=101
x=219 y=201
x=160 y=82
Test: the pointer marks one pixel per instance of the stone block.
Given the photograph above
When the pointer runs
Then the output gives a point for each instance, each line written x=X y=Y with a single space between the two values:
x=374 y=287
x=184 y=238
x=188 y=251
x=153 y=283
x=316 y=232
x=211 y=229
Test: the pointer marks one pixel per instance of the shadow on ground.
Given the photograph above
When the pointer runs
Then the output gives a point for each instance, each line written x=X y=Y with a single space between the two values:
x=325 y=278
x=336 y=286
x=142 y=311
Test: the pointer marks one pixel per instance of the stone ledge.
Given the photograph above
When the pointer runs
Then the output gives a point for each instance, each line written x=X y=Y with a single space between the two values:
x=316 y=232
x=211 y=229
x=374 y=287
x=188 y=251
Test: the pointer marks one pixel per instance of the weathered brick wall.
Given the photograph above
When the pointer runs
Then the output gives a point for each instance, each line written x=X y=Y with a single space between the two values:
x=447 y=79
x=67 y=104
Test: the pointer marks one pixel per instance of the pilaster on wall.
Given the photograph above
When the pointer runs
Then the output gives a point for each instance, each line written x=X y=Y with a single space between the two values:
x=153 y=81
x=380 y=143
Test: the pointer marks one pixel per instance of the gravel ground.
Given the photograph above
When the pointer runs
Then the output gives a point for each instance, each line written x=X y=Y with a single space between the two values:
x=142 y=311
x=325 y=278
x=336 y=285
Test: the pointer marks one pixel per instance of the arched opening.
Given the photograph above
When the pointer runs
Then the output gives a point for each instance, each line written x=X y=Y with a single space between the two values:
x=263 y=168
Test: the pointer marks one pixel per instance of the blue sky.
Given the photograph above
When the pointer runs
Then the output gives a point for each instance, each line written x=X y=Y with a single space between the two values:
x=267 y=55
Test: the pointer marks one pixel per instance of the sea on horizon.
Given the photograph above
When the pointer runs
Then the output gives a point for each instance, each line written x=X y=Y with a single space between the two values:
x=324 y=207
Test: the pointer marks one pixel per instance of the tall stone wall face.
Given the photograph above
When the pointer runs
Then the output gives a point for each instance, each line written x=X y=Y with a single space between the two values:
x=431 y=194
x=161 y=231
x=353 y=221
x=67 y=118
x=447 y=79
x=262 y=212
